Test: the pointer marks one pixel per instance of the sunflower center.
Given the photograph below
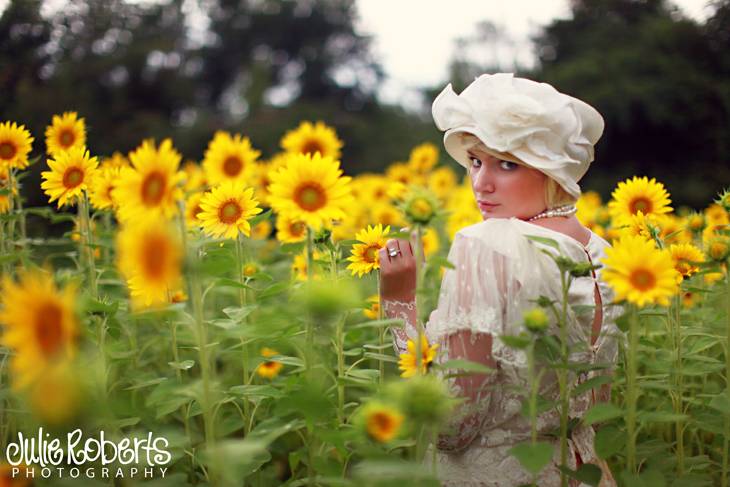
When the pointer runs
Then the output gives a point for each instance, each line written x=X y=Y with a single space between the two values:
x=229 y=212
x=642 y=279
x=381 y=421
x=49 y=328
x=640 y=205
x=232 y=166
x=153 y=257
x=310 y=196
x=109 y=190
x=66 y=138
x=371 y=254
x=683 y=267
x=7 y=150
x=153 y=188
x=194 y=213
x=297 y=228
x=73 y=177
x=311 y=147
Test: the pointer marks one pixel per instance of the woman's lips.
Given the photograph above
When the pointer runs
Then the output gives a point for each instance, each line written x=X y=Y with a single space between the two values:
x=483 y=205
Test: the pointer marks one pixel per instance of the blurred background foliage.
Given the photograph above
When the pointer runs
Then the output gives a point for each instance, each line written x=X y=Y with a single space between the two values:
x=185 y=68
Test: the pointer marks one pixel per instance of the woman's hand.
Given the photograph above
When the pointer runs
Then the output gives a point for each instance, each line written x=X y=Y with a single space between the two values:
x=397 y=271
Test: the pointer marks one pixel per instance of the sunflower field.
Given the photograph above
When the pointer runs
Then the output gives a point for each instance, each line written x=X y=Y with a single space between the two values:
x=225 y=314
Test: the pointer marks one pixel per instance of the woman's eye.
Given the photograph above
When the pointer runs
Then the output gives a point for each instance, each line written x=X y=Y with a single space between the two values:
x=508 y=165
x=475 y=162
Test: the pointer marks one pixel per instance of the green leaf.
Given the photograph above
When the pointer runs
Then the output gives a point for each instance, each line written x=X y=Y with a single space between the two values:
x=544 y=240
x=224 y=281
x=256 y=391
x=609 y=441
x=184 y=365
x=533 y=457
x=259 y=218
x=273 y=290
x=516 y=341
x=647 y=478
x=721 y=403
x=587 y=473
x=238 y=313
x=380 y=356
x=591 y=383
x=602 y=412
x=660 y=417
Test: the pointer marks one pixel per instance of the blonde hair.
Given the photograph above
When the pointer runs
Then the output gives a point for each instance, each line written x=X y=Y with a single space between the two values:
x=555 y=195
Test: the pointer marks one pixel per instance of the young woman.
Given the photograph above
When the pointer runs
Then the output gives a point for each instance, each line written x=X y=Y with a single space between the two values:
x=525 y=146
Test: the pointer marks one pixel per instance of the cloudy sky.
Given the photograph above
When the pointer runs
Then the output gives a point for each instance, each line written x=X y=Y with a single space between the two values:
x=414 y=39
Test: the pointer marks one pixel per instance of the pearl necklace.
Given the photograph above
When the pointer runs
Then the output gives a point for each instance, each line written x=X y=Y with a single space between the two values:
x=565 y=210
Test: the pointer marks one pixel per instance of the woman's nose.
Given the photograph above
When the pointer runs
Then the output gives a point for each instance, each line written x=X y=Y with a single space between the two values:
x=484 y=180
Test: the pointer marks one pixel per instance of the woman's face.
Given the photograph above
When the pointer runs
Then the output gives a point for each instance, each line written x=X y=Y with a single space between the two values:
x=504 y=189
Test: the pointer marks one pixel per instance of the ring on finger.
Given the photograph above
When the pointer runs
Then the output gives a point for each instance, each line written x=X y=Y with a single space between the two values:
x=393 y=252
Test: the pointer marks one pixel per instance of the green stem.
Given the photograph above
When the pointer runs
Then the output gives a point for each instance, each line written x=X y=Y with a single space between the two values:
x=419 y=307
x=244 y=345
x=19 y=203
x=676 y=322
x=86 y=250
x=631 y=393
x=340 y=339
x=381 y=333
x=563 y=378
x=534 y=382
x=726 y=426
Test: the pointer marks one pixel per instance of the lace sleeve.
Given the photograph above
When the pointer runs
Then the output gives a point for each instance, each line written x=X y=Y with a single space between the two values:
x=405 y=311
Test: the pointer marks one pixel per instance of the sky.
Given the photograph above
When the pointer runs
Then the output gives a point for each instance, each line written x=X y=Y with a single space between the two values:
x=414 y=39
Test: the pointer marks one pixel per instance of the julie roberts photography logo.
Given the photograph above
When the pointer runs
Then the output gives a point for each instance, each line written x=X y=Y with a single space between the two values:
x=44 y=456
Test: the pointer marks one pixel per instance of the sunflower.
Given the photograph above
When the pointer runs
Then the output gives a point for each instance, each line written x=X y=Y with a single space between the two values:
x=364 y=256
x=311 y=138
x=269 y=368
x=382 y=423
x=420 y=207
x=250 y=269
x=695 y=222
x=150 y=257
x=311 y=189
x=7 y=479
x=462 y=218
x=718 y=248
x=639 y=272
x=723 y=199
x=373 y=312
x=646 y=226
x=685 y=257
x=227 y=209
x=442 y=182
x=15 y=145
x=423 y=157
x=387 y=214
x=402 y=173
x=716 y=216
x=149 y=189
x=72 y=172
x=690 y=299
x=430 y=242
x=229 y=159
x=299 y=266
x=261 y=230
x=587 y=206
x=117 y=160
x=102 y=187
x=407 y=361
x=290 y=230
x=57 y=396
x=66 y=131
x=39 y=324
x=195 y=178
x=639 y=194
x=192 y=209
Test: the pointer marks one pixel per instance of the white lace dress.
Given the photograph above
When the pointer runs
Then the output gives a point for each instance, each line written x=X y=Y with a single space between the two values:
x=498 y=273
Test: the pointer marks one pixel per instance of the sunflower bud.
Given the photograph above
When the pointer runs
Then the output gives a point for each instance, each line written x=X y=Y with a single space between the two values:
x=536 y=320
x=724 y=200
x=420 y=208
x=424 y=399
x=718 y=249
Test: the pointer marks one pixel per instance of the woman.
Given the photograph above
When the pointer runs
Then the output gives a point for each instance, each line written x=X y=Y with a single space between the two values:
x=525 y=146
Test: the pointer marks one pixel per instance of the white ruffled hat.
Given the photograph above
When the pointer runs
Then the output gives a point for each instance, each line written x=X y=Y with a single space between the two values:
x=529 y=121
